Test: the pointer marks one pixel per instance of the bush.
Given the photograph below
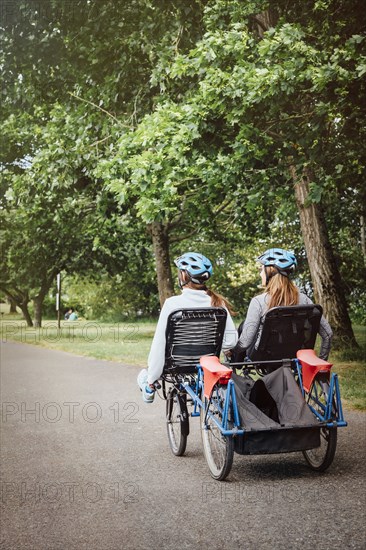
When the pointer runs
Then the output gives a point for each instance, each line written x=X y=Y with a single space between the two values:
x=49 y=308
x=357 y=309
x=110 y=299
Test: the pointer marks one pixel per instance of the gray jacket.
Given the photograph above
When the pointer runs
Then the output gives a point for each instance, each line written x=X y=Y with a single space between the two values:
x=258 y=307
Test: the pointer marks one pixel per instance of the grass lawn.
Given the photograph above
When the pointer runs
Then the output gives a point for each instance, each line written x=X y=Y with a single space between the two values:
x=125 y=342
x=351 y=369
x=130 y=343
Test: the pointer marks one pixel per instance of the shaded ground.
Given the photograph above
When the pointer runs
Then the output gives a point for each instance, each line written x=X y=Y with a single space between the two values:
x=86 y=465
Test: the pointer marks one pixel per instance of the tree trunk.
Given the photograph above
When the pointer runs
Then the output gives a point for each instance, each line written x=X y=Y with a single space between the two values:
x=39 y=299
x=21 y=299
x=37 y=305
x=363 y=241
x=13 y=305
x=24 y=307
x=325 y=275
x=160 y=240
x=262 y=22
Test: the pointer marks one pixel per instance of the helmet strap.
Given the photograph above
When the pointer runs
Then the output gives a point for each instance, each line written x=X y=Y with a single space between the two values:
x=182 y=283
x=268 y=276
x=190 y=279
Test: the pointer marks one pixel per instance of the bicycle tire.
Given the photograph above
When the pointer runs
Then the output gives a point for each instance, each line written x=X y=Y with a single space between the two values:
x=176 y=416
x=217 y=448
x=320 y=458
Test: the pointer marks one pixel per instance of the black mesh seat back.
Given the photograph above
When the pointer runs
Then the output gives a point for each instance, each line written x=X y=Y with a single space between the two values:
x=285 y=330
x=191 y=333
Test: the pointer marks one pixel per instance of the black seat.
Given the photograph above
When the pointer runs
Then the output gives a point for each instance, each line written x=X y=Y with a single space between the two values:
x=191 y=333
x=285 y=330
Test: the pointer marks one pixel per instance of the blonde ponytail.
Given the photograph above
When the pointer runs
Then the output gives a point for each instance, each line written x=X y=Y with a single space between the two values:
x=281 y=290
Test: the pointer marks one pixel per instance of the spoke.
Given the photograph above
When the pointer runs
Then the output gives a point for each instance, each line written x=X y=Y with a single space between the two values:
x=321 y=457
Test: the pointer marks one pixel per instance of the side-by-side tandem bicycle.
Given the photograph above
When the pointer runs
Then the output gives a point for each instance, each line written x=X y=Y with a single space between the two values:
x=285 y=399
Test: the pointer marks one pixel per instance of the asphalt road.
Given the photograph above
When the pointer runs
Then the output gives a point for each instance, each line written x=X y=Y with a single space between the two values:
x=86 y=465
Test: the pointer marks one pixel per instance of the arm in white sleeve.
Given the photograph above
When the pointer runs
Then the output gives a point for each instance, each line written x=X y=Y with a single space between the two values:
x=156 y=357
x=230 y=335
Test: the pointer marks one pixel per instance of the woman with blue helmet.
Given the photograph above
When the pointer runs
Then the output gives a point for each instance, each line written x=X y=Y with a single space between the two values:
x=277 y=265
x=194 y=270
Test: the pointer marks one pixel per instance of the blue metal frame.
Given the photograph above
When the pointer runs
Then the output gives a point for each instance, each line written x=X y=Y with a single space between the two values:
x=230 y=398
x=334 y=396
x=230 y=403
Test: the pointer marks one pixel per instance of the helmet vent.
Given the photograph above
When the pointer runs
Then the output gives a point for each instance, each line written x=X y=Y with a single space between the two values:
x=195 y=264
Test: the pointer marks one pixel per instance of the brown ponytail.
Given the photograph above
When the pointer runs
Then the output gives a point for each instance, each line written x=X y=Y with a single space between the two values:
x=217 y=300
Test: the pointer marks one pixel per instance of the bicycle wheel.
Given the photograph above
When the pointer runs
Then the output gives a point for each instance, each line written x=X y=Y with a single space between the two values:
x=218 y=449
x=320 y=458
x=177 y=421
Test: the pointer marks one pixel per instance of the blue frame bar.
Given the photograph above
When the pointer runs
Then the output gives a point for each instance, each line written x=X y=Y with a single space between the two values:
x=334 y=393
x=195 y=390
x=230 y=395
x=299 y=374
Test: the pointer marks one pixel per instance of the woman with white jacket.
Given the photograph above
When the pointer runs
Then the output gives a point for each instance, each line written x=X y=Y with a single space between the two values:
x=194 y=270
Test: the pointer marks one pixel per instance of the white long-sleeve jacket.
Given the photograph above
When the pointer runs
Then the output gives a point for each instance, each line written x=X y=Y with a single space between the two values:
x=188 y=299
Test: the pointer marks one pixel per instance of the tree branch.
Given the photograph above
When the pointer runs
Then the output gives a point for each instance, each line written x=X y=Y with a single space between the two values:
x=133 y=117
x=178 y=38
x=260 y=23
x=101 y=109
x=223 y=206
x=8 y=294
x=18 y=296
x=100 y=140
x=180 y=238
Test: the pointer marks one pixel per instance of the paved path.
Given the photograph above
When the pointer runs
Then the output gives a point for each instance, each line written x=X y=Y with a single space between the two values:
x=86 y=465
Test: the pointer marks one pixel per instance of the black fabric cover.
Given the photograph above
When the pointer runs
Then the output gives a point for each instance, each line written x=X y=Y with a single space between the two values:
x=282 y=440
x=274 y=414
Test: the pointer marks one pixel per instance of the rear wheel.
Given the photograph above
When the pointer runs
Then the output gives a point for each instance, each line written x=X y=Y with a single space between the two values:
x=177 y=421
x=218 y=449
x=320 y=458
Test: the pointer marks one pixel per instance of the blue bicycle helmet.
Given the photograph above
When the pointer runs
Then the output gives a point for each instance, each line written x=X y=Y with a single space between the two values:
x=198 y=267
x=283 y=260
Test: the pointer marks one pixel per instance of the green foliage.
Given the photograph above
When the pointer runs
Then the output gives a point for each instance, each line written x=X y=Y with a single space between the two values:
x=67 y=99
x=112 y=299
x=184 y=113
x=247 y=109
